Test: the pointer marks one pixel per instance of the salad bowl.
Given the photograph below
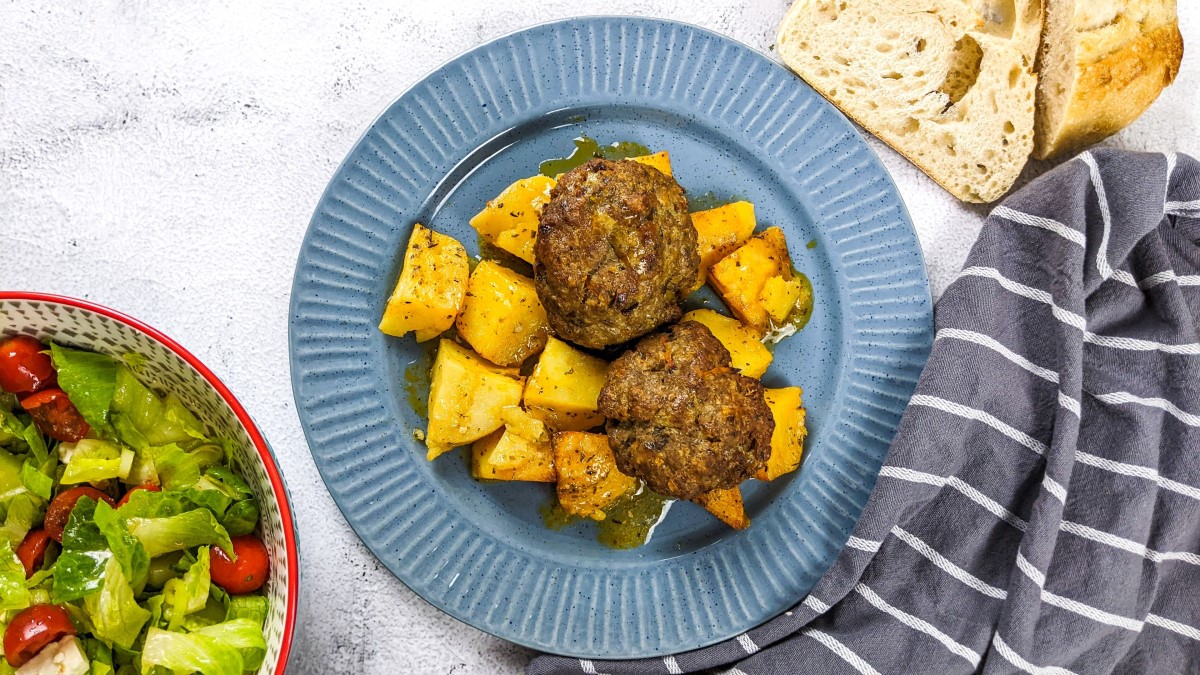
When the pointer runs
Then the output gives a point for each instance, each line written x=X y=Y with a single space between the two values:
x=166 y=366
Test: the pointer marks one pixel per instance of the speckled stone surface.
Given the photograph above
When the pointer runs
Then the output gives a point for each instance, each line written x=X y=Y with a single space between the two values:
x=164 y=159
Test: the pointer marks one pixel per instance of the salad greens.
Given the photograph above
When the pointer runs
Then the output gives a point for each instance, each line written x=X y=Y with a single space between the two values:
x=136 y=579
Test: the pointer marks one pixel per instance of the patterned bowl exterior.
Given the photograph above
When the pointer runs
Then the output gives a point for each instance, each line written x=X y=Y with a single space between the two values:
x=169 y=367
x=733 y=121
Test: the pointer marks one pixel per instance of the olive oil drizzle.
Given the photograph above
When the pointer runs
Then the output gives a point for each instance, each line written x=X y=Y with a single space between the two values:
x=587 y=148
x=629 y=521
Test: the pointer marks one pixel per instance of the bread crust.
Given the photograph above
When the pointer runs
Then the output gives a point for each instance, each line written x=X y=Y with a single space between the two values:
x=1016 y=66
x=1112 y=92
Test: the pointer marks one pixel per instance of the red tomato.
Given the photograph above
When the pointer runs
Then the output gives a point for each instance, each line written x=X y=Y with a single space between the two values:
x=245 y=575
x=63 y=503
x=32 y=550
x=23 y=366
x=148 y=487
x=33 y=629
x=55 y=415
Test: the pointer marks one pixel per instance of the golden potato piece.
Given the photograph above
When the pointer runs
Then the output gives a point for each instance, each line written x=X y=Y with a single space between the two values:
x=743 y=280
x=749 y=355
x=588 y=479
x=727 y=506
x=519 y=451
x=565 y=386
x=510 y=220
x=787 y=441
x=721 y=230
x=466 y=398
x=431 y=288
x=659 y=160
x=502 y=319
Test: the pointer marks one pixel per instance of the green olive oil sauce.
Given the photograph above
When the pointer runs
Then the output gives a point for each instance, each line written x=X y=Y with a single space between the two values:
x=416 y=378
x=629 y=521
x=799 y=317
x=588 y=148
x=711 y=200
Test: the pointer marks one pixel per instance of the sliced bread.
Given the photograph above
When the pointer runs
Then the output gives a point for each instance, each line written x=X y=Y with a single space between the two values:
x=1103 y=62
x=947 y=83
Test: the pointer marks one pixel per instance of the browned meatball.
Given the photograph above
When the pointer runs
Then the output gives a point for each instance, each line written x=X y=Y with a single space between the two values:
x=616 y=252
x=680 y=418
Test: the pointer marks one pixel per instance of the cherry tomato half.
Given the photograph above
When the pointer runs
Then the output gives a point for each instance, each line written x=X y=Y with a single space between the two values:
x=63 y=503
x=23 y=366
x=55 y=415
x=248 y=573
x=32 y=630
x=32 y=550
x=148 y=487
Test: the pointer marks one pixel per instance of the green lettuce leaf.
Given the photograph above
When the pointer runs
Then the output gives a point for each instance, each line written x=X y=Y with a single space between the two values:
x=180 y=469
x=191 y=653
x=225 y=493
x=89 y=378
x=79 y=571
x=116 y=615
x=187 y=594
x=10 y=476
x=35 y=481
x=244 y=635
x=241 y=518
x=23 y=512
x=129 y=552
x=253 y=607
x=175 y=533
x=147 y=504
x=100 y=656
x=14 y=594
x=92 y=461
x=151 y=420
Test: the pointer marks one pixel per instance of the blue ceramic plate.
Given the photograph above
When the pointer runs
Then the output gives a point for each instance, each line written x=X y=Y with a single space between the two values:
x=735 y=123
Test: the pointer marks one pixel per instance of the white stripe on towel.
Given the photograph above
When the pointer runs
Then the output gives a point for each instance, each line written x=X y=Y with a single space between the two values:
x=947 y=566
x=747 y=644
x=977 y=415
x=918 y=624
x=844 y=652
x=1073 y=236
x=672 y=665
x=864 y=544
x=1075 y=320
x=1129 y=545
x=991 y=505
x=1015 y=659
x=1183 y=629
x=1137 y=471
x=996 y=346
x=815 y=604
x=1119 y=397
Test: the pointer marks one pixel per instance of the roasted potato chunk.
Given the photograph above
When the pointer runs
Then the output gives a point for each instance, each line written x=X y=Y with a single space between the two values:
x=721 y=230
x=519 y=451
x=588 y=479
x=727 y=506
x=659 y=160
x=431 y=288
x=502 y=319
x=466 y=398
x=510 y=221
x=748 y=354
x=564 y=387
x=756 y=281
x=787 y=441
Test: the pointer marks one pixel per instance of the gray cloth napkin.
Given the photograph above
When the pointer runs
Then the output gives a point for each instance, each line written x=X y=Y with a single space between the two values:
x=1039 y=509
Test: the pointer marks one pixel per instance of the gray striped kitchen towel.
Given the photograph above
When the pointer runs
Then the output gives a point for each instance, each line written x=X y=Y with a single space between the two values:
x=1039 y=509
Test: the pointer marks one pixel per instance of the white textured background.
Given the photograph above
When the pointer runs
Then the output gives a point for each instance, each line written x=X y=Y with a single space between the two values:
x=163 y=158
